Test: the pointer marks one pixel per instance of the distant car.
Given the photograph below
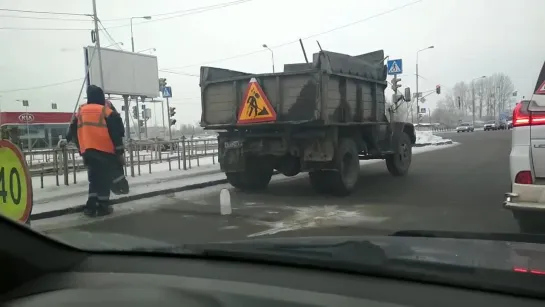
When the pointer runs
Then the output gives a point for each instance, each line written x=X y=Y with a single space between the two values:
x=503 y=125
x=490 y=126
x=465 y=127
x=509 y=124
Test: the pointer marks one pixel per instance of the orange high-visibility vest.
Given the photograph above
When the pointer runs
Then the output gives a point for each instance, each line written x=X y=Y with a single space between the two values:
x=92 y=129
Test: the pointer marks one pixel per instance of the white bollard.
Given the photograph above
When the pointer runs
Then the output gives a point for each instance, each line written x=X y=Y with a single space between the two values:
x=225 y=202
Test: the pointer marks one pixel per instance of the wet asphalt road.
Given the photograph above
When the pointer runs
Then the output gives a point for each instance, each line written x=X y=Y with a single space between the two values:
x=459 y=188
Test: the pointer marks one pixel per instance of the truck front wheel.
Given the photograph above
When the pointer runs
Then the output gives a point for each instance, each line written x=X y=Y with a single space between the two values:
x=398 y=163
x=256 y=175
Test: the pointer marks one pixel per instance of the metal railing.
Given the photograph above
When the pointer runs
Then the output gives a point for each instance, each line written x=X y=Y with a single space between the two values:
x=65 y=162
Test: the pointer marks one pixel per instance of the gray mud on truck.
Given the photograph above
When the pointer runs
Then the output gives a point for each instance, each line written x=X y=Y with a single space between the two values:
x=330 y=114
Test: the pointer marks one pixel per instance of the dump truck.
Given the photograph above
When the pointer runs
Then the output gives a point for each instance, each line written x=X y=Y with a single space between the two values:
x=320 y=117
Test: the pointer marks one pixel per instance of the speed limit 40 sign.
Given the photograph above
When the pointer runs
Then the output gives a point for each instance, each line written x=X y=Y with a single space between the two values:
x=15 y=183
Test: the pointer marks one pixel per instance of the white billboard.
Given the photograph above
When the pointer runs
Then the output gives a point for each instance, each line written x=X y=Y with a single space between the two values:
x=124 y=73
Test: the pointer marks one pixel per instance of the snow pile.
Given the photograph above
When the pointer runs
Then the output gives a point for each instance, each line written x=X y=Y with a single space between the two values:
x=424 y=138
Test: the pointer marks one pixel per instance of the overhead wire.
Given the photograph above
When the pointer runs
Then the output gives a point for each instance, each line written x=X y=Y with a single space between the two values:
x=307 y=37
x=176 y=14
x=109 y=36
x=169 y=70
x=41 y=86
x=184 y=12
x=45 y=29
x=43 y=18
x=44 y=12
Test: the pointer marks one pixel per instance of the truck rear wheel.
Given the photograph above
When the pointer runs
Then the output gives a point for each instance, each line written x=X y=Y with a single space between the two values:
x=256 y=176
x=319 y=180
x=398 y=163
x=344 y=180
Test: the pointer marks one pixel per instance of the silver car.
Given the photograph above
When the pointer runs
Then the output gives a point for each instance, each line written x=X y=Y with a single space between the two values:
x=465 y=127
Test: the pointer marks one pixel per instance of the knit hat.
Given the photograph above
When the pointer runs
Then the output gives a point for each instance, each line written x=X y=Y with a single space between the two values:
x=95 y=95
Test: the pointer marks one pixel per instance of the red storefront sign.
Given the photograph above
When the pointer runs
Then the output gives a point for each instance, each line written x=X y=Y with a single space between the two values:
x=17 y=118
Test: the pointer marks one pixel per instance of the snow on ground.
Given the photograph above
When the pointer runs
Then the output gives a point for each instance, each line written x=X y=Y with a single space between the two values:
x=159 y=173
x=57 y=198
x=427 y=137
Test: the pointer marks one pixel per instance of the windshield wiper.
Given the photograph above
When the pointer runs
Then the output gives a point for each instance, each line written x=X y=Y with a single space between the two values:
x=349 y=250
x=514 y=237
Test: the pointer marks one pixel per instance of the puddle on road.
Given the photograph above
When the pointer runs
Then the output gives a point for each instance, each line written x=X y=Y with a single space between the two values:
x=315 y=217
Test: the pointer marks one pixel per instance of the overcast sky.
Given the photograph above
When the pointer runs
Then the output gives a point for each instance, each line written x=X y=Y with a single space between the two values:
x=471 y=38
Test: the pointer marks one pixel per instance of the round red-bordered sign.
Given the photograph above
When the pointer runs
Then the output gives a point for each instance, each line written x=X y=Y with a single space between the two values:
x=16 y=197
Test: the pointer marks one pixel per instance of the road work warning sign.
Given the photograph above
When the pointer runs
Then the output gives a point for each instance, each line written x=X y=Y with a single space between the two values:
x=256 y=107
x=15 y=183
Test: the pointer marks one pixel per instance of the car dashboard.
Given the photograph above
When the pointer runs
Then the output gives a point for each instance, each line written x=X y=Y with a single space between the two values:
x=39 y=271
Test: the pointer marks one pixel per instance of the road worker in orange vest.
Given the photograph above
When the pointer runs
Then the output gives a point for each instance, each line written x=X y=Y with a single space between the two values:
x=99 y=132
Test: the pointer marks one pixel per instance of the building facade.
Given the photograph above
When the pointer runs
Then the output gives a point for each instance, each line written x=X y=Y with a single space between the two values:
x=43 y=128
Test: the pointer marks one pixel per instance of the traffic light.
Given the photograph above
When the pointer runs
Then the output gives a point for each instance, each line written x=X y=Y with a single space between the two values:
x=134 y=112
x=395 y=84
x=438 y=89
x=171 y=113
x=141 y=123
x=162 y=83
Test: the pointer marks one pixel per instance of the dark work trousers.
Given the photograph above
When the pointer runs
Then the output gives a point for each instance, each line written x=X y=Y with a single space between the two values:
x=100 y=180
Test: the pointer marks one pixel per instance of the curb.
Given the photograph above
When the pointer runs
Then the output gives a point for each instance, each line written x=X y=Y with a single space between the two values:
x=433 y=144
x=124 y=199
x=84 y=192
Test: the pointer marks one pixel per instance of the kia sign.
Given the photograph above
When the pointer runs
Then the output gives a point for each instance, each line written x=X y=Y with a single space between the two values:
x=26 y=117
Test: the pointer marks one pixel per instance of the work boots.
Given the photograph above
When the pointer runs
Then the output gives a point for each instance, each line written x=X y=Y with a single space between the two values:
x=95 y=208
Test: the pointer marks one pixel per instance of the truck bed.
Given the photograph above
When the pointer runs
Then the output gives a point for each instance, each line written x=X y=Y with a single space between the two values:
x=335 y=89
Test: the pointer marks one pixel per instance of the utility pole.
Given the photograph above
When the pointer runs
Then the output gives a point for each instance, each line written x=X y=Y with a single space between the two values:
x=473 y=100
x=128 y=138
x=138 y=119
x=163 y=116
x=417 y=93
x=97 y=44
x=418 y=77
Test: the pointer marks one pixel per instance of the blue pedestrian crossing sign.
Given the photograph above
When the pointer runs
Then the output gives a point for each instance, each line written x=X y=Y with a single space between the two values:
x=395 y=67
x=167 y=92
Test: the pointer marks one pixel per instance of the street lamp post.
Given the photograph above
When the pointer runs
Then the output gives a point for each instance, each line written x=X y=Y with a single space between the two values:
x=417 y=77
x=272 y=55
x=132 y=35
x=473 y=96
x=29 y=141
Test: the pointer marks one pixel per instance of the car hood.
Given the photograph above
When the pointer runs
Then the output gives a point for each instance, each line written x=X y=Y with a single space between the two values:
x=465 y=251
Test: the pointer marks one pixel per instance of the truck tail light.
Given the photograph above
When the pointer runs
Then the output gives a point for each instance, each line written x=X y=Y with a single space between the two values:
x=524 y=177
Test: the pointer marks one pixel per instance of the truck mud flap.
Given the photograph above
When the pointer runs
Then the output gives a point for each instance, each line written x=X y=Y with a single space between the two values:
x=232 y=160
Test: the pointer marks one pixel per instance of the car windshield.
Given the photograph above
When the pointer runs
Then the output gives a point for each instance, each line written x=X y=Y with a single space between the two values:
x=174 y=122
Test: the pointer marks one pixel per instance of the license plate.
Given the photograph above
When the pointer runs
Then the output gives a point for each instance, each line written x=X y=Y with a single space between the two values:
x=232 y=144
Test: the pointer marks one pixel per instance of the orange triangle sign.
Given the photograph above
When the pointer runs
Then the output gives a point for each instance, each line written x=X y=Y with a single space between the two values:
x=256 y=107
x=541 y=90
